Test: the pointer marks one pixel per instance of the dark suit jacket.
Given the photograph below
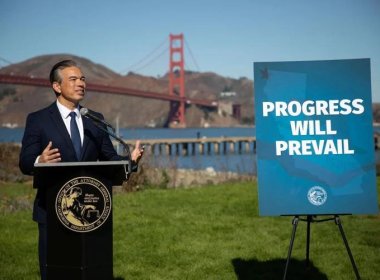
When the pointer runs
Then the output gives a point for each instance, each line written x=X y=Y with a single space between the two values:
x=47 y=125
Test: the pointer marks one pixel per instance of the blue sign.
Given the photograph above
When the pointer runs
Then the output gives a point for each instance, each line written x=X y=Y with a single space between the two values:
x=315 y=141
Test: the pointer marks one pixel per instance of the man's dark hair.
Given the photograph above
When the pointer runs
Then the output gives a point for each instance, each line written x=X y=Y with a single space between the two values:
x=54 y=73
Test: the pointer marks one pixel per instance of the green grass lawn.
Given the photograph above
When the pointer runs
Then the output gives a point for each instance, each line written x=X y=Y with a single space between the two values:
x=211 y=232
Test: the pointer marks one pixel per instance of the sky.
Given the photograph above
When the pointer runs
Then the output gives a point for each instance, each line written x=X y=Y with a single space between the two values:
x=224 y=37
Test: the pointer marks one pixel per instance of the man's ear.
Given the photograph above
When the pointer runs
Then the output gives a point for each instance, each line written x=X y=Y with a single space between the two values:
x=57 y=87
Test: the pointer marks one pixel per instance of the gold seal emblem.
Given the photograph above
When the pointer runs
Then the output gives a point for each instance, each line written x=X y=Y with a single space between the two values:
x=83 y=204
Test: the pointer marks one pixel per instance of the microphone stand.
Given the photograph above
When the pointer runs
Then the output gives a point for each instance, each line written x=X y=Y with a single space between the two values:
x=121 y=141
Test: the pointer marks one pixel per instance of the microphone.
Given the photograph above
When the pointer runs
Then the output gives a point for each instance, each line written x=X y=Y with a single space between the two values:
x=86 y=113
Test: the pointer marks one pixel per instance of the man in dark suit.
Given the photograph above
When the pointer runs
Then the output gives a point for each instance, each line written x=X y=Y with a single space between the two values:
x=58 y=133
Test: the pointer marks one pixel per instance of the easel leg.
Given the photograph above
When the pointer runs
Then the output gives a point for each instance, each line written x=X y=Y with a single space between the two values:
x=339 y=224
x=309 y=219
x=295 y=223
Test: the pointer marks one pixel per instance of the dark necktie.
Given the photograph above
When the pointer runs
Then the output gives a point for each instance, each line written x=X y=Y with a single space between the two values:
x=75 y=136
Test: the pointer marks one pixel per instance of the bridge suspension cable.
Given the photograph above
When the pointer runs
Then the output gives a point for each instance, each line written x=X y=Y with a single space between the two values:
x=2 y=60
x=191 y=55
x=152 y=60
x=137 y=65
x=157 y=53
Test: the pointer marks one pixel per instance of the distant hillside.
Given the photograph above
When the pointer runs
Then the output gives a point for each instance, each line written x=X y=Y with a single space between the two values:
x=376 y=112
x=17 y=101
x=40 y=67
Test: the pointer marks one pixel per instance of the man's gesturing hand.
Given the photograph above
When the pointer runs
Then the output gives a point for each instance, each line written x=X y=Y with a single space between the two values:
x=137 y=152
x=49 y=154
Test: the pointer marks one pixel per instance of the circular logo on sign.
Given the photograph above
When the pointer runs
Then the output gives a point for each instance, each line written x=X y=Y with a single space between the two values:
x=83 y=204
x=317 y=195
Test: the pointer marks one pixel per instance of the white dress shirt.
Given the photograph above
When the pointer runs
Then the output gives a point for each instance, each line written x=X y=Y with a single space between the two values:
x=65 y=114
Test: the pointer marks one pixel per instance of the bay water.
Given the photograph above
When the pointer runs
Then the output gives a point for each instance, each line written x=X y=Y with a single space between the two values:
x=244 y=163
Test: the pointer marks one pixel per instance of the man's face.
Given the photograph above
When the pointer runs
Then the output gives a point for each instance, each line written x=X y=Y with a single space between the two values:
x=72 y=86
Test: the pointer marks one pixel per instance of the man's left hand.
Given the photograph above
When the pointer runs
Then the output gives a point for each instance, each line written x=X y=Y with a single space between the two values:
x=137 y=152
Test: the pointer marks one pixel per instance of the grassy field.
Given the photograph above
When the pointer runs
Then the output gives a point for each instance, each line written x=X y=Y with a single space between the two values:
x=211 y=232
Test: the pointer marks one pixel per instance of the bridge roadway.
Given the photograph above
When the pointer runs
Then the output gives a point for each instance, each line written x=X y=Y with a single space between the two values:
x=40 y=82
x=201 y=146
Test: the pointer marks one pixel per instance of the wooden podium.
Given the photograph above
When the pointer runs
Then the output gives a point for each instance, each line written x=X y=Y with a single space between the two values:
x=78 y=199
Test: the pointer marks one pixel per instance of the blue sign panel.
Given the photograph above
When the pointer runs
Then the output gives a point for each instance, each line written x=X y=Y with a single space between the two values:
x=315 y=142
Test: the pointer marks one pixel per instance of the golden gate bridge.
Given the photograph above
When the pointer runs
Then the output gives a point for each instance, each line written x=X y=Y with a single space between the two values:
x=176 y=88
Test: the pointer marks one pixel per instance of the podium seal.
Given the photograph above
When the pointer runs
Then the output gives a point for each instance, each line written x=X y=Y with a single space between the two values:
x=83 y=204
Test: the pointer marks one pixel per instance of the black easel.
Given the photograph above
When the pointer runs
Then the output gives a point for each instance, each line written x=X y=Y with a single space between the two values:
x=311 y=219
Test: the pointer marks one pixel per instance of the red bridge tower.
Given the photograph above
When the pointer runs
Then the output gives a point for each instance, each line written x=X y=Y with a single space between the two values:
x=177 y=81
